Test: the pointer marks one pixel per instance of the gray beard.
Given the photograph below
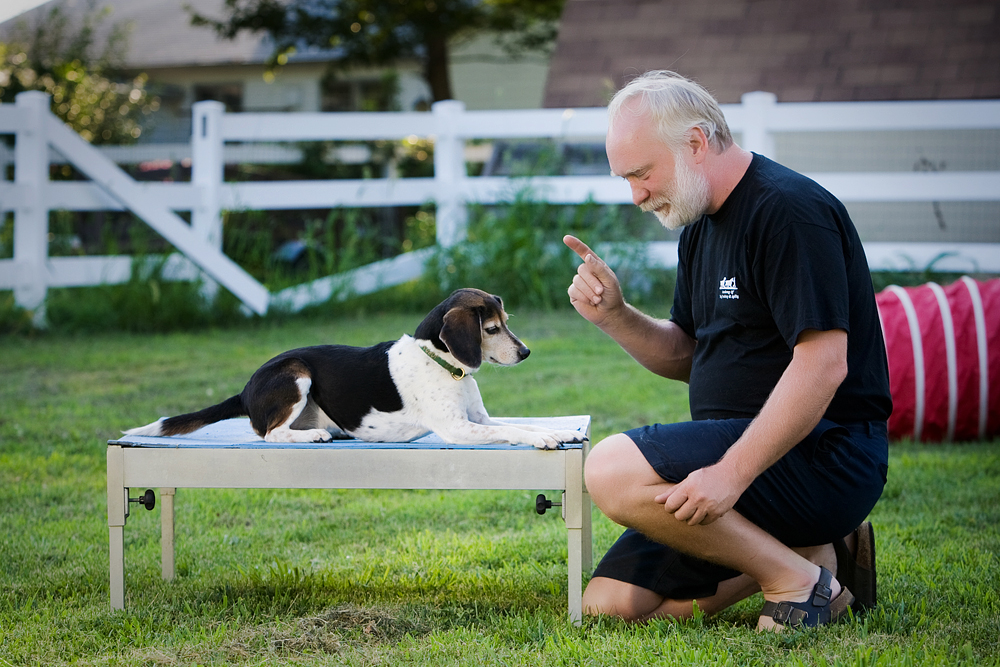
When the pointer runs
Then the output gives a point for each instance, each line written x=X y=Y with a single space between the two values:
x=690 y=200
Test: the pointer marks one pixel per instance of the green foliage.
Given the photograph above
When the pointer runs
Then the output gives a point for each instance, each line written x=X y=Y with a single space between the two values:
x=344 y=239
x=411 y=577
x=515 y=249
x=373 y=33
x=13 y=318
x=75 y=65
x=915 y=276
x=145 y=303
x=148 y=301
x=415 y=157
x=6 y=235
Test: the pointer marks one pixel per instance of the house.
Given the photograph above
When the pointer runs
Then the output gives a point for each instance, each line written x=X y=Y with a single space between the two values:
x=187 y=64
x=800 y=50
x=812 y=51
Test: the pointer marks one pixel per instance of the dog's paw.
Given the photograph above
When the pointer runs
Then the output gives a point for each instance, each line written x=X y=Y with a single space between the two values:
x=295 y=435
x=569 y=436
x=544 y=441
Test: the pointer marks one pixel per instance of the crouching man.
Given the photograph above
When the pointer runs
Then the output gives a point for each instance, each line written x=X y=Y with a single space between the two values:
x=774 y=326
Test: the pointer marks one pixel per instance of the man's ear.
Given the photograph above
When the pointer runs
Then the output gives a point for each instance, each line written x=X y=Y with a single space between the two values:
x=698 y=144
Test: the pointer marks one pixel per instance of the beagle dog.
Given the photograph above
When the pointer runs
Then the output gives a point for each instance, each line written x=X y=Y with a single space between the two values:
x=395 y=391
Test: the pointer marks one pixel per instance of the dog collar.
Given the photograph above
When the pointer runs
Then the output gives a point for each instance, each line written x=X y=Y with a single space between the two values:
x=456 y=373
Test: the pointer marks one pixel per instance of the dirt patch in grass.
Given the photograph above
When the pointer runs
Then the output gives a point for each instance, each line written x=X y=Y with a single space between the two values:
x=332 y=630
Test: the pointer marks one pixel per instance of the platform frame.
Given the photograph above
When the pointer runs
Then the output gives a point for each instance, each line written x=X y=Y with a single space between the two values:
x=229 y=455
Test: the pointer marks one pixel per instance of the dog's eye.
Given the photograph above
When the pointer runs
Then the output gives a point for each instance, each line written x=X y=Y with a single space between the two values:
x=492 y=330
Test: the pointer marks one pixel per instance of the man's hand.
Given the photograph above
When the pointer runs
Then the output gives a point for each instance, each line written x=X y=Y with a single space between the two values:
x=704 y=495
x=795 y=406
x=659 y=345
x=595 y=292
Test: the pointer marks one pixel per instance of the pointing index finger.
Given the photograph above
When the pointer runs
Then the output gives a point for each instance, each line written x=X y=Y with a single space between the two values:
x=578 y=246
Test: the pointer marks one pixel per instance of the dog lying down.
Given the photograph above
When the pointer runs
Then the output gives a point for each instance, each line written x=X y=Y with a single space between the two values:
x=395 y=391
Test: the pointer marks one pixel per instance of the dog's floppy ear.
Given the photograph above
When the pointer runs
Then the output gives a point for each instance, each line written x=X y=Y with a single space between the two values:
x=462 y=333
x=430 y=328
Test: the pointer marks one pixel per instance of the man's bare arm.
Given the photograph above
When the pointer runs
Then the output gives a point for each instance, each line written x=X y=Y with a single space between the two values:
x=659 y=345
x=795 y=406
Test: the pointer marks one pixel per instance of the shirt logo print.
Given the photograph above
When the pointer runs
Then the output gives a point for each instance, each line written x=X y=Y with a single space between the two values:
x=728 y=289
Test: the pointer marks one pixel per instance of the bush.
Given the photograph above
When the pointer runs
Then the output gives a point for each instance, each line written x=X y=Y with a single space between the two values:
x=515 y=249
x=145 y=303
x=914 y=277
x=13 y=318
x=82 y=74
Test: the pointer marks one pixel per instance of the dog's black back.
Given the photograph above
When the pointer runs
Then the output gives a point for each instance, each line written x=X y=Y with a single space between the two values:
x=347 y=383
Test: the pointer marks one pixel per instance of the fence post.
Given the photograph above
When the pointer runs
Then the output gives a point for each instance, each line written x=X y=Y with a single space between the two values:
x=757 y=136
x=31 y=218
x=449 y=173
x=207 y=164
x=206 y=169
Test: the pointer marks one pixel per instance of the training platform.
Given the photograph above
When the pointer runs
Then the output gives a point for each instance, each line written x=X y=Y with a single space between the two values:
x=230 y=455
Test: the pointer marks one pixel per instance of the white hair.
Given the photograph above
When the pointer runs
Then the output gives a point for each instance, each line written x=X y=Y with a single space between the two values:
x=676 y=105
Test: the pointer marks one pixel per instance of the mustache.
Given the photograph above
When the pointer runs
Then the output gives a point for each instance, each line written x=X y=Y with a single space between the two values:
x=653 y=205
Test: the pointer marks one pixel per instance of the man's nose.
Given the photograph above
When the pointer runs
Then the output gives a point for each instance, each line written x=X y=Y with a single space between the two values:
x=639 y=193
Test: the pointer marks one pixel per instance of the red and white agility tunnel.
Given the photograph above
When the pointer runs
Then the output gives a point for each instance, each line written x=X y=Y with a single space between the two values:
x=943 y=345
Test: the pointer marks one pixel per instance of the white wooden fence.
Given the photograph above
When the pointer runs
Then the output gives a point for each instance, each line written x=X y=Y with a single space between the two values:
x=31 y=196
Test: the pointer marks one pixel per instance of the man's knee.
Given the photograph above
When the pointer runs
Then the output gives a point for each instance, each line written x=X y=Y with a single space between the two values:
x=610 y=597
x=614 y=466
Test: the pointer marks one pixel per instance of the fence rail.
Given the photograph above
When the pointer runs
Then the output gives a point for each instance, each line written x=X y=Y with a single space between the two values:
x=219 y=137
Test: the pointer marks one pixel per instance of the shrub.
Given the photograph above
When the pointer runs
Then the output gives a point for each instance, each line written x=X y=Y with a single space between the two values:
x=13 y=318
x=515 y=249
x=914 y=276
x=145 y=303
x=67 y=60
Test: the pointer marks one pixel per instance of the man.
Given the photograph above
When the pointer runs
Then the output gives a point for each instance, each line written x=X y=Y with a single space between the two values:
x=774 y=326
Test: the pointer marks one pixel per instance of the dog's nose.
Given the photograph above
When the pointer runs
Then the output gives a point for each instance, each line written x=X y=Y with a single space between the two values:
x=523 y=353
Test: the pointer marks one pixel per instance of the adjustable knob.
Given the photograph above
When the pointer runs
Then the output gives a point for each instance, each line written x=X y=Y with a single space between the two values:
x=542 y=503
x=147 y=500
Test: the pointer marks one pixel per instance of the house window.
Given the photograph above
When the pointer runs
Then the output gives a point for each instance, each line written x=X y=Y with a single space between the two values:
x=338 y=96
x=230 y=94
x=359 y=94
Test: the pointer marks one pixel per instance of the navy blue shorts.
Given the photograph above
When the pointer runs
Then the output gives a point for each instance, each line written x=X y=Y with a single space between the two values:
x=819 y=491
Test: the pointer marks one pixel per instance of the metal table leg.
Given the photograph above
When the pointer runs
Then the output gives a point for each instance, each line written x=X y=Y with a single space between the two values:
x=167 y=533
x=117 y=501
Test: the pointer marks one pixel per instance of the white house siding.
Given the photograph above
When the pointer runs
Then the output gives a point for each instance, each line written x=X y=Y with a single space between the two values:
x=484 y=77
x=904 y=151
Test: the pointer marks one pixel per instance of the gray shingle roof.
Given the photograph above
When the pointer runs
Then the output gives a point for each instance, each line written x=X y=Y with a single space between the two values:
x=801 y=50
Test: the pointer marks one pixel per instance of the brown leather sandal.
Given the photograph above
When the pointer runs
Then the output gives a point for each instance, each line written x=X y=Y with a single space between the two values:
x=857 y=571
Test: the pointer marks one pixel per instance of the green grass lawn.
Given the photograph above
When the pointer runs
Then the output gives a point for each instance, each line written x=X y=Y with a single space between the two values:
x=412 y=577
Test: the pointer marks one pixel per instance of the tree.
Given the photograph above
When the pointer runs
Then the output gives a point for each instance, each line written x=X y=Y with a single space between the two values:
x=60 y=57
x=383 y=32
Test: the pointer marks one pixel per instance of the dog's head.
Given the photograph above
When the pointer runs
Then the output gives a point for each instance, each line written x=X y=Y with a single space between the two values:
x=472 y=325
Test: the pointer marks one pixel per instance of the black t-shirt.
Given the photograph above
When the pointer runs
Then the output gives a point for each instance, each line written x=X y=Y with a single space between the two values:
x=779 y=257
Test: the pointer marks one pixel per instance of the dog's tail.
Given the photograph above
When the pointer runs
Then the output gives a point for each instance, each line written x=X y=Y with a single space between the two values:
x=192 y=421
